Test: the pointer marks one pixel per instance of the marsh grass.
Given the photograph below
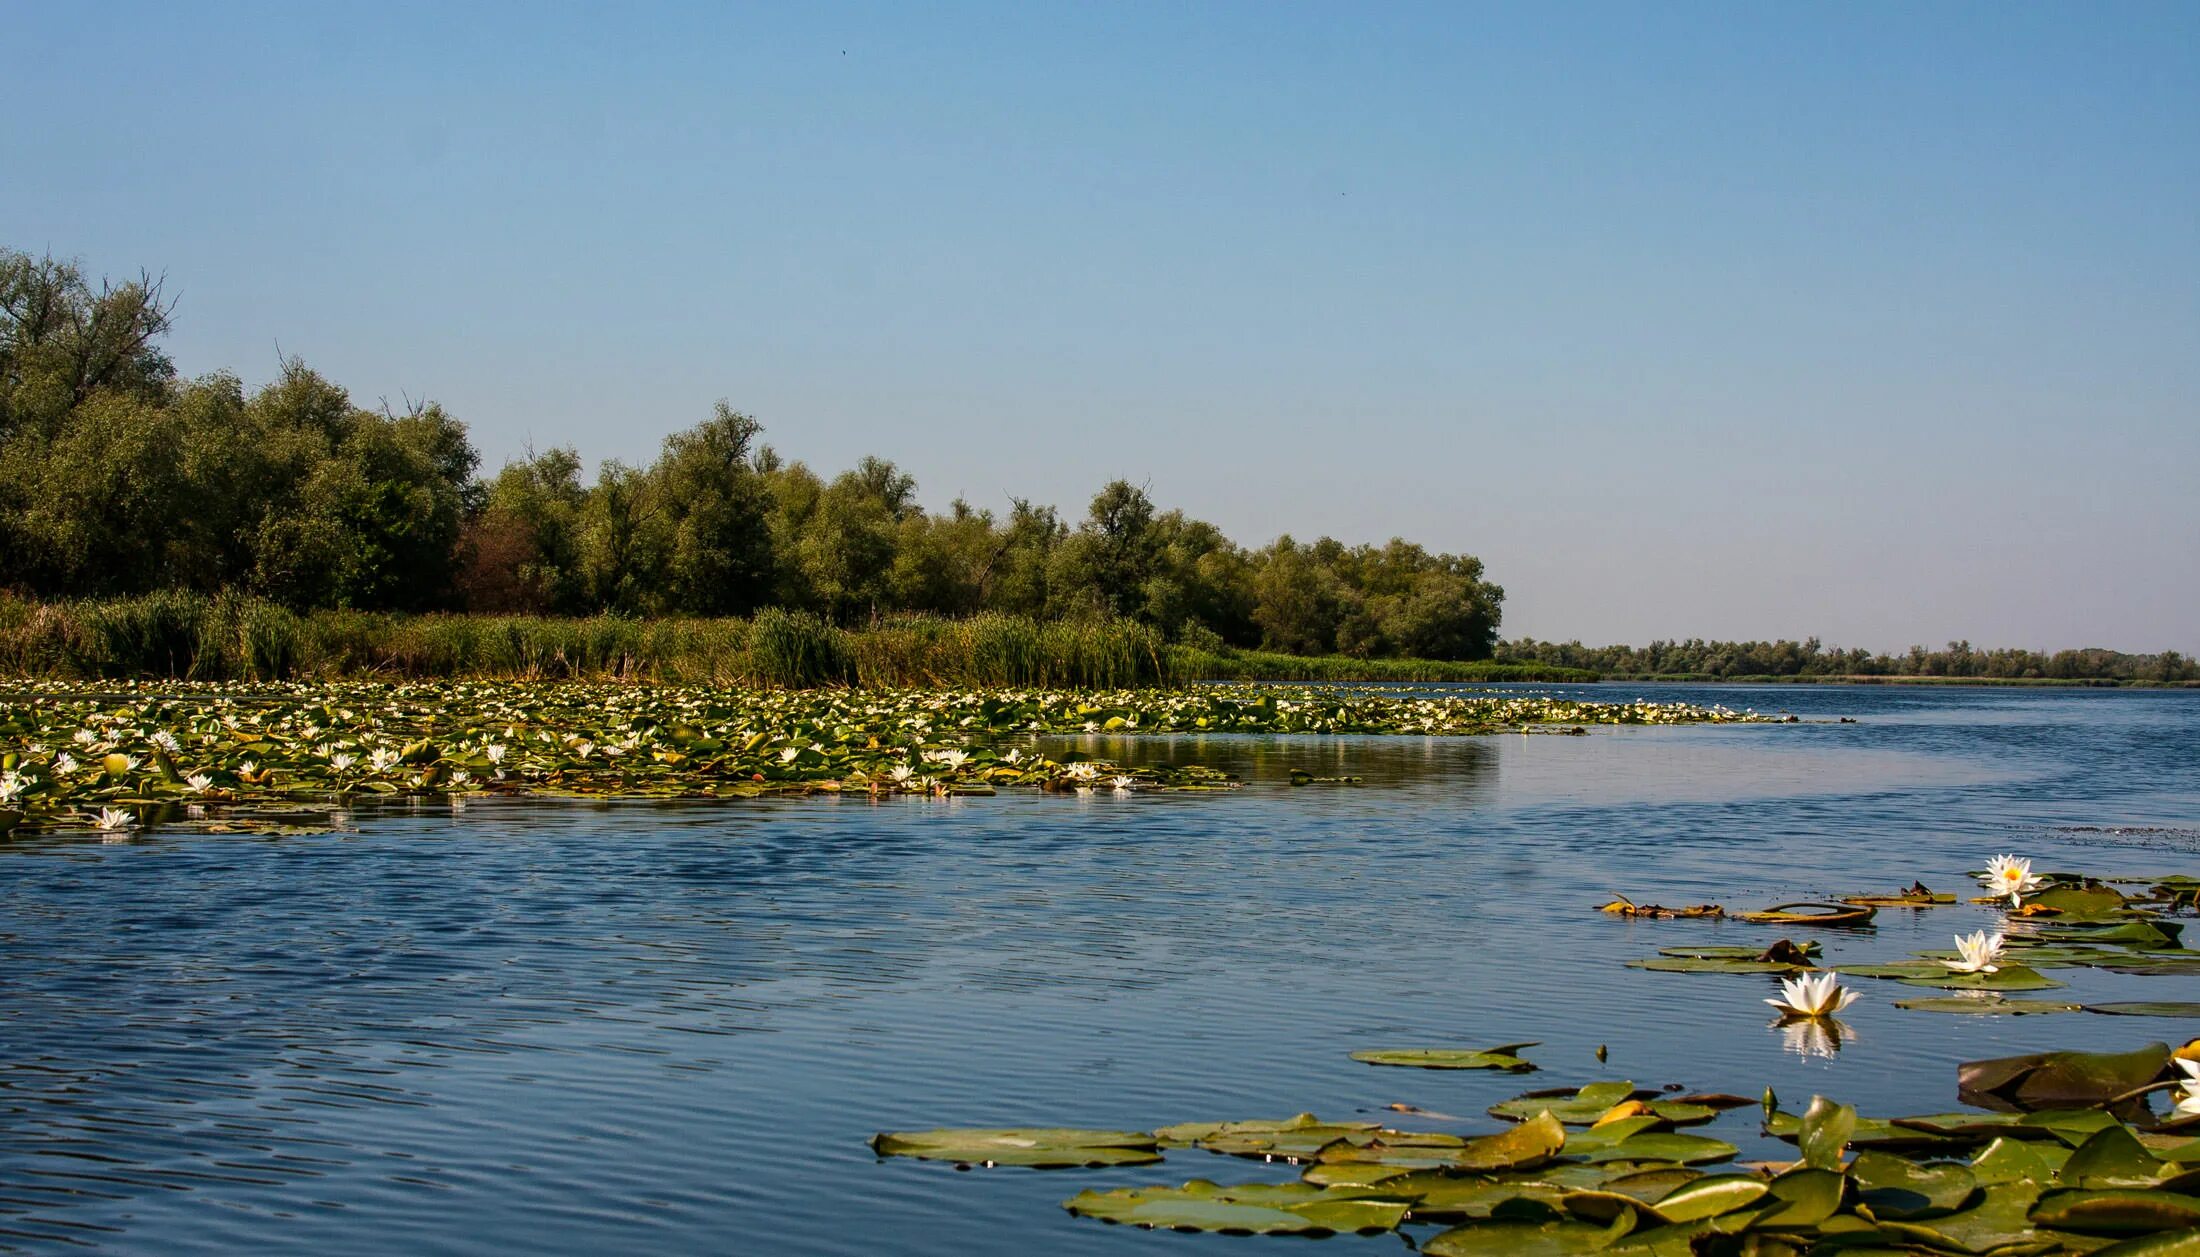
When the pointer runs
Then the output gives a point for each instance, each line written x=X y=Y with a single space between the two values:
x=232 y=638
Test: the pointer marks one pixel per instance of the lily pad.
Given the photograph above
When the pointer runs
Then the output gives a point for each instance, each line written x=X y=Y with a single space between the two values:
x=1041 y=1148
x=1300 y=1136
x=1577 y=1107
x=1888 y=1186
x=1529 y=1144
x=2007 y=978
x=1996 y=1006
x=2116 y=1211
x=1522 y=1238
x=1803 y=1198
x=1714 y=964
x=1810 y=913
x=2147 y=1008
x=1505 y=1058
x=2062 y=1079
x=1250 y=1209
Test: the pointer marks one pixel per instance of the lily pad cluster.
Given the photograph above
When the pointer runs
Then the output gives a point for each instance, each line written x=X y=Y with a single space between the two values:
x=1609 y=1167
x=66 y=753
x=2070 y=921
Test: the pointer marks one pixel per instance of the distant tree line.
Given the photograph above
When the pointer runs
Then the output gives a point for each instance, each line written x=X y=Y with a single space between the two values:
x=118 y=476
x=1811 y=658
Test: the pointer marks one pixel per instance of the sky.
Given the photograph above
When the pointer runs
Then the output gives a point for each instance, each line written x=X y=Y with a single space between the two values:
x=1875 y=322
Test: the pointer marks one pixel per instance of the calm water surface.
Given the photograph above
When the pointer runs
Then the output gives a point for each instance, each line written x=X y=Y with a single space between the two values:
x=639 y=1027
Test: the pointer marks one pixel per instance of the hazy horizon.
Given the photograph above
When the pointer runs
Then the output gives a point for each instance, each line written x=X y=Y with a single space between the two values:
x=1874 y=323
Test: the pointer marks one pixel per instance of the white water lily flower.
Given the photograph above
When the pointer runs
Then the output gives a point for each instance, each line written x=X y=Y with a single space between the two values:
x=166 y=741
x=1014 y=756
x=383 y=759
x=1980 y=951
x=250 y=767
x=342 y=762
x=200 y=783
x=494 y=752
x=2188 y=1094
x=1082 y=771
x=1813 y=995
x=460 y=777
x=84 y=737
x=787 y=755
x=952 y=759
x=1122 y=783
x=2008 y=875
x=114 y=820
x=64 y=763
x=901 y=773
x=11 y=787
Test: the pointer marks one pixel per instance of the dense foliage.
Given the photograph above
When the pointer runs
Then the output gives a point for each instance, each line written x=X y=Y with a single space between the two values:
x=1699 y=658
x=119 y=477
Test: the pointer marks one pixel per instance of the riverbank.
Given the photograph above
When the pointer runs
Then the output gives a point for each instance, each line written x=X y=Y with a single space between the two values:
x=2103 y=683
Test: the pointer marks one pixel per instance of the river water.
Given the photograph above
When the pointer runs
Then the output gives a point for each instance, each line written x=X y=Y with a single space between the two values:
x=644 y=1027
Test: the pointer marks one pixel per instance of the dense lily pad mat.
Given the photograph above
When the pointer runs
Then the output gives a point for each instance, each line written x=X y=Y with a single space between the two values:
x=65 y=752
x=1601 y=1169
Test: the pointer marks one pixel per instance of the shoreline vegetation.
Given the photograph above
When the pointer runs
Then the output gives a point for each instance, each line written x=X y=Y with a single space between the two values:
x=177 y=635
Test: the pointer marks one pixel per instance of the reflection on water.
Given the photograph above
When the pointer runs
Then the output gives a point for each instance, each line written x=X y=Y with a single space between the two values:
x=584 y=1027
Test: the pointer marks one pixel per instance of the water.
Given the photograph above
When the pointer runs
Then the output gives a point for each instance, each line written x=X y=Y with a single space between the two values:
x=643 y=1027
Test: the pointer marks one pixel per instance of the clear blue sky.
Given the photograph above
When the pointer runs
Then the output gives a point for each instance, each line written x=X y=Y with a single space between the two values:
x=1874 y=321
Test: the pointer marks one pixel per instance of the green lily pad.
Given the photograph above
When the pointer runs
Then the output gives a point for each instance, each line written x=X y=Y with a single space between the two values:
x=1803 y=1198
x=1711 y=1196
x=1250 y=1209
x=2166 y=1244
x=2079 y=901
x=1825 y=1133
x=1531 y=1143
x=1714 y=964
x=1510 y=1237
x=1577 y=1107
x=2007 y=978
x=2008 y=1160
x=1996 y=1006
x=2146 y=1008
x=1890 y=1187
x=1505 y=1058
x=1300 y=1136
x=1998 y=1221
x=2115 y=1211
x=1042 y=1148
x=1655 y=1145
x=2112 y=1157
x=2063 y=1079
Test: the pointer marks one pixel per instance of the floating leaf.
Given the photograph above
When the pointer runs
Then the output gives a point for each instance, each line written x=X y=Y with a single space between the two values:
x=1825 y=1133
x=2116 y=1211
x=2111 y=1157
x=1251 y=1209
x=1714 y=964
x=1888 y=1186
x=1531 y=1143
x=1504 y=1058
x=1810 y=913
x=1522 y=1238
x=2059 y=1079
x=1996 y=1006
x=1710 y=1197
x=2007 y=978
x=2145 y=1008
x=1037 y=1147
x=1300 y=1136
x=1803 y=1198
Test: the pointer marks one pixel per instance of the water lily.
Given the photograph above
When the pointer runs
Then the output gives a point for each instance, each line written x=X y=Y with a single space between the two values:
x=460 y=777
x=2188 y=1091
x=11 y=787
x=1014 y=756
x=129 y=764
x=2008 y=875
x=84 y=737
x=494 y=752
x=952 y=759
x=200 y=783
x=1813 y=995
x=65 y=763
x=249 y=768
x=787 y=755
x=341 y=762
x=1082 y=771
x=383 y=759
x=1122 y=783
x=113 y=820
x=166 y=741
x=1980 y=951
x=901 y=774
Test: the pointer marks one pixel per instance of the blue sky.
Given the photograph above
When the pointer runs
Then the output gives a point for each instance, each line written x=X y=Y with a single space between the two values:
x=1874 y=321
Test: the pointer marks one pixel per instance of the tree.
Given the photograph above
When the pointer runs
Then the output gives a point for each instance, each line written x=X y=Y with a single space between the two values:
x=713 y=504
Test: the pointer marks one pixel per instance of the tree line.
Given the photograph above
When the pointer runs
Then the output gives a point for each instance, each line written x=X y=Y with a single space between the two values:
x=1811 y=658
x=121 y=476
